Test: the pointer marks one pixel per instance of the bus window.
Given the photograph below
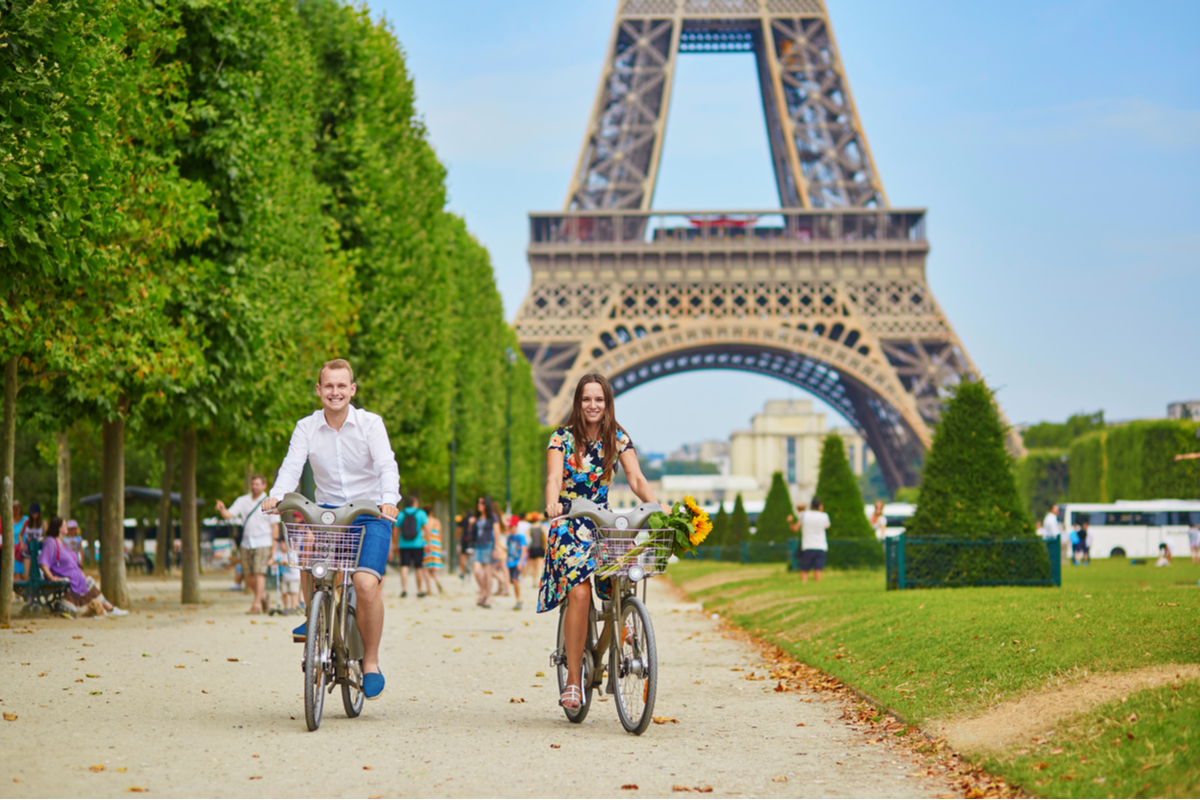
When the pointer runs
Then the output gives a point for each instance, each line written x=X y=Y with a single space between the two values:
x=1097 y=518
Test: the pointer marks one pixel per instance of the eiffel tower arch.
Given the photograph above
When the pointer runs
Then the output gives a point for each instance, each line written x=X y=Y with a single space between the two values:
x=827 y=292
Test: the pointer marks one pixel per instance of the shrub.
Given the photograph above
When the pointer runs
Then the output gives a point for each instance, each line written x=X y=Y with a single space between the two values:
x=1140 y=460
x=838 y=491
x=1042 y=479
x=720 y=531
x=969 y=492
x=772 y=523
x=739 y=523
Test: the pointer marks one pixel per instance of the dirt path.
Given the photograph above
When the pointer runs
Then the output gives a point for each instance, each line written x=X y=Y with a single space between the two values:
x=208 y=702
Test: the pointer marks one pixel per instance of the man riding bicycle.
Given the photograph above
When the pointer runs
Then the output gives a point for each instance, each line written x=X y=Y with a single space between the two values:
x=352 y=459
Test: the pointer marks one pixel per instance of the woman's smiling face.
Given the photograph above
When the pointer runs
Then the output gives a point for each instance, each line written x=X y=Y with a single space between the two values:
x=593 y=404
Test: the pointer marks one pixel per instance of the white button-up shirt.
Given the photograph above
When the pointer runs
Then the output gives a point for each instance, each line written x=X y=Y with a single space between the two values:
x=355 y=463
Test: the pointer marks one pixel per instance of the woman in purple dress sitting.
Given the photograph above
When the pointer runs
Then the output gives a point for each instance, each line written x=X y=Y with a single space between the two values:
x=60 y=563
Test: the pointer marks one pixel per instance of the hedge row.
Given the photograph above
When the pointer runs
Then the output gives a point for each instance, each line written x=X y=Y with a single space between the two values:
x=1136 y=462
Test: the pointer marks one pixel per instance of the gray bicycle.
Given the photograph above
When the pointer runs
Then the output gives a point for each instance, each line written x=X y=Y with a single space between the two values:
x=626 y=553
x=326 y=546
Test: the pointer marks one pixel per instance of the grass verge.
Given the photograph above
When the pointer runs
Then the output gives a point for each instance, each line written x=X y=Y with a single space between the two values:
x=941 y=653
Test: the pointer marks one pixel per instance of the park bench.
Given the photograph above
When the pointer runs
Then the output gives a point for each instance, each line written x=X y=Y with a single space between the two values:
x=39 y=594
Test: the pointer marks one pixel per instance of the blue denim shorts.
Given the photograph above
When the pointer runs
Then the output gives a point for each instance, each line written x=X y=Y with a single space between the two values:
x=484 y=555
x=376 y=544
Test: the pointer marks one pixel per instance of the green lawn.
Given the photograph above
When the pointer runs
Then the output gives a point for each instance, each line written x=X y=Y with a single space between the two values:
x=931 y=653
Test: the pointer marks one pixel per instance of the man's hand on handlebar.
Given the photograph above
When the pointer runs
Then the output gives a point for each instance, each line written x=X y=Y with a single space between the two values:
x=389 y=511
x=269 y=504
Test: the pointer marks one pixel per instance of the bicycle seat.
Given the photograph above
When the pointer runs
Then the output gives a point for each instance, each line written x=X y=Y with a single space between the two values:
x=606 y=518
x=316 y=515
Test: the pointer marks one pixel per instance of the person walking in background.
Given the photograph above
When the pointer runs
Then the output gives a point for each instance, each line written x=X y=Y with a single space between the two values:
x=518 y=553
x=537 y=546
x=500 y=557
x=74 y=539
x=1085 y=542
x=18 y=534
x=58 y=563
x=814 y=547
x=433 y=563
x=486 y=532
x=410 y=524
x=258 y=540
x=879 y=521
x=1193 y=540
x=466 y=545
x=289 y=576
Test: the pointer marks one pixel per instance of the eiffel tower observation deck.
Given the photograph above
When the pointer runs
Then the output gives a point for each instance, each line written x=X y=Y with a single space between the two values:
x=827 y=292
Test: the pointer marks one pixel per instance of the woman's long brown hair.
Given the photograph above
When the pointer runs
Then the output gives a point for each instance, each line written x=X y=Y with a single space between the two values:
x=608 y=423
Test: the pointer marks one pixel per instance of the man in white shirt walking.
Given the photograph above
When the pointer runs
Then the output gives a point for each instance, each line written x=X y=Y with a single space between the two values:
x=352 y=459
x=258 y=539
x=813 y=546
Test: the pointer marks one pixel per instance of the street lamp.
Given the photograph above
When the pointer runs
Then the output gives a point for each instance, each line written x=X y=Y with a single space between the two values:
x=511 y=359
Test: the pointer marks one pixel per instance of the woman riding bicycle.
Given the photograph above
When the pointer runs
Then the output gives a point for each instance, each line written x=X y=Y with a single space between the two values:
x=580 y=463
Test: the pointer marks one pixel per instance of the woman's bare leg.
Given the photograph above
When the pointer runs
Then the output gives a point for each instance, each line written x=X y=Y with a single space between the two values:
x=575 y=626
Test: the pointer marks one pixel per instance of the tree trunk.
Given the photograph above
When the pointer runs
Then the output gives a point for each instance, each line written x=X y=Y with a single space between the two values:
x=187 y=514
x=112 y=515
x=8 y=444
x=64 y=474
x=162 y=547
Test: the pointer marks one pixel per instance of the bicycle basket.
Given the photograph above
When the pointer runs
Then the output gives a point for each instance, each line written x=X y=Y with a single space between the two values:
x=335 y=546
x=616 y=551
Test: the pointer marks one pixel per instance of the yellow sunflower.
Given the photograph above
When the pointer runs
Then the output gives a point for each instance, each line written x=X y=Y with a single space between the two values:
x=690 y=502
x=703 y=527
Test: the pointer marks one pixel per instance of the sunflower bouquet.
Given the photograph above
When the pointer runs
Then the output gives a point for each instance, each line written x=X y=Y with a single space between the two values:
x=690 y=523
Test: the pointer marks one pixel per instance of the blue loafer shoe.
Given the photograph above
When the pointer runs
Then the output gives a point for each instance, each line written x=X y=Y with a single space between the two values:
x=372 y=685
x=300 y=633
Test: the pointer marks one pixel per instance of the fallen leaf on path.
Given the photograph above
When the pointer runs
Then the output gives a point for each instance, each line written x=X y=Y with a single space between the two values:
x=96 y=692
x=801 y=724
x=205 y=691
x=731 y=669
x=556 y=747
x=664 y=720
x=79 y=680
x=539 y=675
x=368 y=768
x=211 y=621
x=458 y=649
x=136 y=789
x=90 y=675
x=231 y=659
x=97 y=768
x=497 y=637
x=485 y=691
x=121 y=769
x=180 y=666
x=10 y=717
x=516 y=700
x=780 y=779
x=1041 y=765
x=145 y=655
x=447 y=635
x=76 y=637
x=629 y=787
x=678 y=788
x=703 y=789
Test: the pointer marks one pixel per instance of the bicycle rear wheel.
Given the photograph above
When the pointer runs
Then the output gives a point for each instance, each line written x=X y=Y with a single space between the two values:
x=573 y=714
x=352 y=694
x=637 y=667
x=316 y=651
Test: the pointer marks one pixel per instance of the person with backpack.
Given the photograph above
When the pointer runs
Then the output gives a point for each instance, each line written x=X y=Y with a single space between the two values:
x=411 y=543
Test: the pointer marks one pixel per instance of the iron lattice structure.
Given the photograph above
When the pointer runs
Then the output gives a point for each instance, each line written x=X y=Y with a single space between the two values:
x=827 y=292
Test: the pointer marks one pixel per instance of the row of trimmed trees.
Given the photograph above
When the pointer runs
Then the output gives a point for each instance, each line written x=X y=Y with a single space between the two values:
x=202 y=203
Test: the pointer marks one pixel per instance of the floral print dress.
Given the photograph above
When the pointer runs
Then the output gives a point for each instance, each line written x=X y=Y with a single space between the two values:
x=569 y=560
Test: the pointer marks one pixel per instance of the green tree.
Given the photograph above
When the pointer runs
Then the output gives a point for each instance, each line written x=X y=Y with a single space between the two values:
x=720 y=531
x=739 y=524
x=772 y=522
x=1059 y=435
x=837 y=489
x=968 y=490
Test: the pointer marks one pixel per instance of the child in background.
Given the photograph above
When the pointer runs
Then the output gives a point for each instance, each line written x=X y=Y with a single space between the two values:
x=433 y=551
x=518 y=552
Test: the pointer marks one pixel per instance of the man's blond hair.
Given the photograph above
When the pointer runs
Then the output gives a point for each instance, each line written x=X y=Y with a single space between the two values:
x=337 y=363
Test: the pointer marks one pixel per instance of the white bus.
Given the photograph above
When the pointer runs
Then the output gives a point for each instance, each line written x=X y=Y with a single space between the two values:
x=1133 y=528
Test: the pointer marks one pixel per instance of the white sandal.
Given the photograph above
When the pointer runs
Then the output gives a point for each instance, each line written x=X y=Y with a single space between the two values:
x=572 y=697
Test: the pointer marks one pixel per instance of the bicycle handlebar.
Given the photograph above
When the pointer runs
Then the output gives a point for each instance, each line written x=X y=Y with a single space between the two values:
x=606 y=518
x=316 y=515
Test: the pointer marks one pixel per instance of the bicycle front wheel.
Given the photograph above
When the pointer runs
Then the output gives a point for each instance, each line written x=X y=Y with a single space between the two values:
x=316 y=655
x=573 y=714
x=637 y=667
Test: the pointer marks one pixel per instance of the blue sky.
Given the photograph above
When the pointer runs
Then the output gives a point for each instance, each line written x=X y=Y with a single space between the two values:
x=1056 y=146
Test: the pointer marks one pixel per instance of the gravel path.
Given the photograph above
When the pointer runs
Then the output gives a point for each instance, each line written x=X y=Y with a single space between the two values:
x=207 y=701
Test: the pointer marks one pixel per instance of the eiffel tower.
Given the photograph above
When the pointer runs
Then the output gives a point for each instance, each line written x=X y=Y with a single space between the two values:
x=827 y=292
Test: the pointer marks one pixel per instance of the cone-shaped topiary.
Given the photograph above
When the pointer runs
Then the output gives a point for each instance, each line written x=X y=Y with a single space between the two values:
x=969 y=494
x=739 y=523
x=772 y=522
x=968 y=490
x=837 y=489
x=720 y=531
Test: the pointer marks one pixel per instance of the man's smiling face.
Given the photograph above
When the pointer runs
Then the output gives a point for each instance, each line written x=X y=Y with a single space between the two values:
x=335 y=389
